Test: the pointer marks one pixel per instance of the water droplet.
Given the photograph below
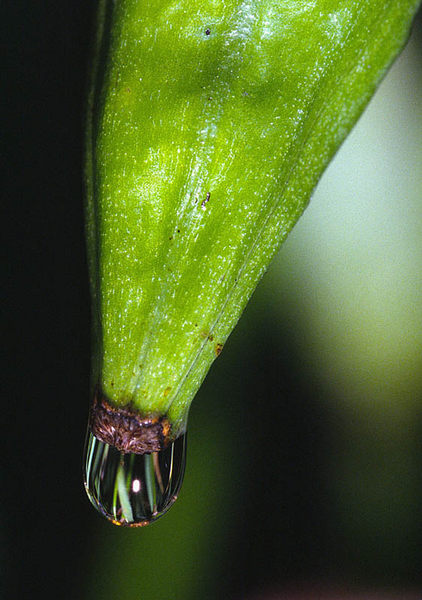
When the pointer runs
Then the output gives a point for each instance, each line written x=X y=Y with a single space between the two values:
x=133 y=489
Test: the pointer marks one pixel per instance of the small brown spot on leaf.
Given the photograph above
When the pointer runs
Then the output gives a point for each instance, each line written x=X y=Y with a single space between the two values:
x=167 y=391
x=207 y=336
x=218 y=349
x=166 y=428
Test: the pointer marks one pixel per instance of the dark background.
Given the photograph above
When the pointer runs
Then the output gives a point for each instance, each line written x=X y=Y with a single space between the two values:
x=51 y=538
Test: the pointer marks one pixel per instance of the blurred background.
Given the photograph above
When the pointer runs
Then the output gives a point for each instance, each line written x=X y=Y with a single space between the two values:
x=304 y=473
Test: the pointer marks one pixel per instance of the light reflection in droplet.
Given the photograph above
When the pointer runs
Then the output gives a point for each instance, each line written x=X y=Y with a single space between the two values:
x=133 y=489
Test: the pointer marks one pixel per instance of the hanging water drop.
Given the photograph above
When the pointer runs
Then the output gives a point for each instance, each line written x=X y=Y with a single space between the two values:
x=131 y=489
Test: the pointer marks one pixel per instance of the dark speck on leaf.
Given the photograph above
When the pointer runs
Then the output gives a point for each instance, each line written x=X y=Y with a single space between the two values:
x=218 y=349
x=207 y=31
x=204 y=202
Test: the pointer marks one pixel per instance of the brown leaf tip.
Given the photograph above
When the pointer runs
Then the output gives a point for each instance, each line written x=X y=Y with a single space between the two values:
x=125 y=429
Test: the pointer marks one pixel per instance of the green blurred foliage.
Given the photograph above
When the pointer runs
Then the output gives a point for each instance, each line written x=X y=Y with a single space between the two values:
x=333 y=490
x=352 y=275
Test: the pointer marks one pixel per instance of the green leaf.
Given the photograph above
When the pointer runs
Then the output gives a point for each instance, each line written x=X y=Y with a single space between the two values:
x=210 y=123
